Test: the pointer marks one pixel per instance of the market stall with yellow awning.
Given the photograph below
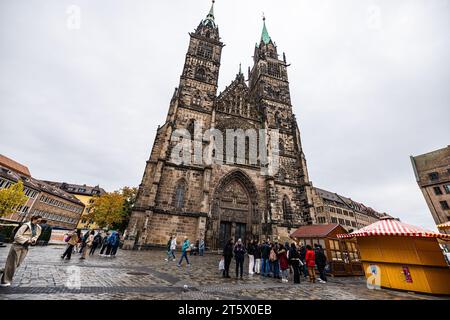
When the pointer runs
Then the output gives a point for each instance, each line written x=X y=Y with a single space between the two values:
x=401 y=256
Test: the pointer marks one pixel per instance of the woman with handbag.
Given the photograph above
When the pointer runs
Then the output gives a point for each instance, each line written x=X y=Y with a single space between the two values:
x=88 y=245
x=72 y=241
x=295 y=262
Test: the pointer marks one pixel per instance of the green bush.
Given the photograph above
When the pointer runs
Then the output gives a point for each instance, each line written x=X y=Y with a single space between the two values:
x=6 y=233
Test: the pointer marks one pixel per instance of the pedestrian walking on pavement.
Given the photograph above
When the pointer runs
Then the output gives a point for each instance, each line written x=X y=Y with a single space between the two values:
x=27 y=235
x=227 y=256
x=321 y=262
x=185 y=248
x=294 y=261
x=311 y=263
x=239 y=256
x=104 y=245
x=113 y=244
x=97 y=241
x=88 y=244
x=72 y=241
x=251 y=258
x=169 y=251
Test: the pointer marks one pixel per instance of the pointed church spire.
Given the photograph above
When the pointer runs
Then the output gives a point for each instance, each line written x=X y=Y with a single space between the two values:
x=210 y=17
x=265 y=34
x=211 y=11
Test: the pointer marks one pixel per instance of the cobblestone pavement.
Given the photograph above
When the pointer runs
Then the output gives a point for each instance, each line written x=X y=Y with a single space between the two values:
x=145 y=275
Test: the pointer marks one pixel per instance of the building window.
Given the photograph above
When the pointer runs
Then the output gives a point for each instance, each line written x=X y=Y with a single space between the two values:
x=179 y=195
x=335 y=249
x=433 y=176
x=444 y=205
x=437 y=191
x=200 y=74
x=205 y=50
x=321 y=220
x=333 y=220
x=287 y=212
x=447 y=188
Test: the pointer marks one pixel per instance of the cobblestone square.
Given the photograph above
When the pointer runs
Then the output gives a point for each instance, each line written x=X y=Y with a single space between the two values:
x=141 y=275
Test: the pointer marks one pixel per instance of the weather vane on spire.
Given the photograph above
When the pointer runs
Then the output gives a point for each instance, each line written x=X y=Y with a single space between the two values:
x=263 y=16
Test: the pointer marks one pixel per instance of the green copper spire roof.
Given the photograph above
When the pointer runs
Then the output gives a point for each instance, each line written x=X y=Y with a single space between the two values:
x=210 y=17
x=265 y=34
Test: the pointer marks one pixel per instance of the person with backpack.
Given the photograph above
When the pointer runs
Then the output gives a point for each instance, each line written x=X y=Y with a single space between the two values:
x=321 y=262
x=310 y=258
x=97 y=241
x=113 y=244
x=239 y=256
x=227 y=256
x=27 y=235
x=273 y=261
x=72 y=240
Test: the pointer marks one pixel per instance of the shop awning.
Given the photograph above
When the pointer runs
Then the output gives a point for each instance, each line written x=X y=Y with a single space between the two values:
x=444 y=226
x=392 y=227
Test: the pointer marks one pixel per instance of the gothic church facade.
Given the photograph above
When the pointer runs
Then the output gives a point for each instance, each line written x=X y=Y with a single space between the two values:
x=219 y=202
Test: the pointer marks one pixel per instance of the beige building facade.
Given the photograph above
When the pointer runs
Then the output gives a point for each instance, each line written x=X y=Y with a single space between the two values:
x=432 y=172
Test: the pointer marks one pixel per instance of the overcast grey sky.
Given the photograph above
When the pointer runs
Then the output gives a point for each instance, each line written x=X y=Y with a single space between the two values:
x=369 y=84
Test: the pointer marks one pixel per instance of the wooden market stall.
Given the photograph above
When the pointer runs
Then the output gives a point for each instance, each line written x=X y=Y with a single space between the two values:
x=342 y=254
x=401 y=256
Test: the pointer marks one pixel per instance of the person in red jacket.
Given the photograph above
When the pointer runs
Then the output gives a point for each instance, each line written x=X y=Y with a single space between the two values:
x=284 y=263
x=311 y=263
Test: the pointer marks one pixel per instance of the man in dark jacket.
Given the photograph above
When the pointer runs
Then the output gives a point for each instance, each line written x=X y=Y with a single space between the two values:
x=321 y=262
x=239 y=255
x=97 y=241
x=227 y=255
x=265 y=252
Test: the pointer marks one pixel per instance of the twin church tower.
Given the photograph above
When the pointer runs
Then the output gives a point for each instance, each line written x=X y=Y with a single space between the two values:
x=218 y=202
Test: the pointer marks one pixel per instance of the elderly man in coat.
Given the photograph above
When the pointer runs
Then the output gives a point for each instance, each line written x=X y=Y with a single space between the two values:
x=27 y=235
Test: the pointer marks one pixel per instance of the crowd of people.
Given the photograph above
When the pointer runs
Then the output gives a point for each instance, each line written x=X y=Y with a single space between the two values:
x=87 y=244
x=265 y=258
x=276 y=260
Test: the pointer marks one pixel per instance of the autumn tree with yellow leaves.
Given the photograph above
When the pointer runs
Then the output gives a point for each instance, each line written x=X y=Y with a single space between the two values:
x=12 y=198
x=112 y=209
